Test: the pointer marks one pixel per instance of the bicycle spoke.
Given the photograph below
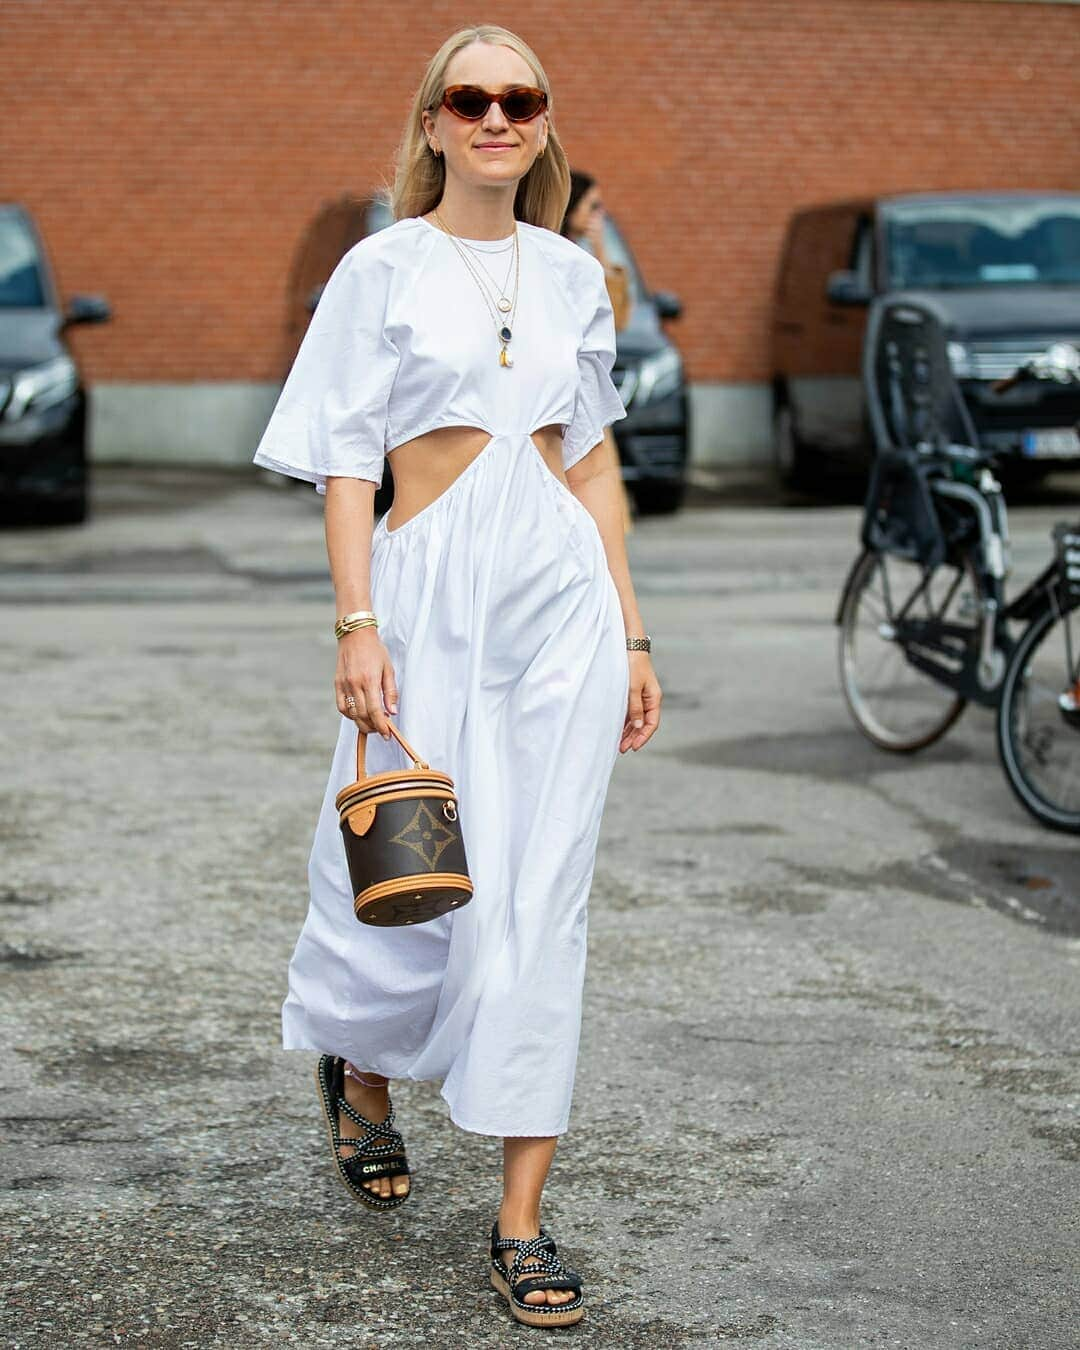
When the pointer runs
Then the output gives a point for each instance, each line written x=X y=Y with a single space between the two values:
x=897 y=704
x=878 y=611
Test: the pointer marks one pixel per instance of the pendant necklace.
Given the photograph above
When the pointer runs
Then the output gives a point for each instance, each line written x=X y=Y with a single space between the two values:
x=504 y=309
x=501 y=291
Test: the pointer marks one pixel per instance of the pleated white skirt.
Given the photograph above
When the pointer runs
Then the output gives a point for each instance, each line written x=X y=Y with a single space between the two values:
x=505 y=630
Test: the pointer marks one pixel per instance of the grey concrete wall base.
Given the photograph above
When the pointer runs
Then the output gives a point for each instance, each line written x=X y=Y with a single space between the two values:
x=213 y=423
x=731 y=424
x=220 y=423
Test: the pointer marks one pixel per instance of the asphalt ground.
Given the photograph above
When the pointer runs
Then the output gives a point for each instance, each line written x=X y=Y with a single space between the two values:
x=827 y=1092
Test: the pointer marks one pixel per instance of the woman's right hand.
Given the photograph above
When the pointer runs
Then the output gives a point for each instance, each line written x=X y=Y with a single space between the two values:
x=365 y=675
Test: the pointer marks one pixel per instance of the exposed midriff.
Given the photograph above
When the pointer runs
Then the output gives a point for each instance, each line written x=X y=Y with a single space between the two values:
x=425 y=467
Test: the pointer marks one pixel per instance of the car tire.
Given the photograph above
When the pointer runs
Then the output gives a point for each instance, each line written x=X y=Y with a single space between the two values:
x=793 y=459
x=658 y=497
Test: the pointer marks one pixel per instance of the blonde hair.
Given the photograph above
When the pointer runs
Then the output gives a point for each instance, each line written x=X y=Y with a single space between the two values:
x=419 y=176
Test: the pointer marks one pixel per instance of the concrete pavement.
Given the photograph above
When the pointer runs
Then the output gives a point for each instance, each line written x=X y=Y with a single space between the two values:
x=828 y=1087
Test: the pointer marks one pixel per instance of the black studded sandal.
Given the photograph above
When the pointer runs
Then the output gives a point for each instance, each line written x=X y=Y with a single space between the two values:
x=517 y=1280
x=371 y=1160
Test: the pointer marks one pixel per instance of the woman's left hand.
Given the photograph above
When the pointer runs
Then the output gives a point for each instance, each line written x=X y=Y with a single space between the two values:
x=643 y=704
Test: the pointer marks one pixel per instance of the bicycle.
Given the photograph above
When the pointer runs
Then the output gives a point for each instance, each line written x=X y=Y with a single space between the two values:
x=925 y=626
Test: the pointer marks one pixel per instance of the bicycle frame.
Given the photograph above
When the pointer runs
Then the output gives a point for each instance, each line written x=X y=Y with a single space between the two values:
x=988 y=506
x=936 y=647
x=1056 y=588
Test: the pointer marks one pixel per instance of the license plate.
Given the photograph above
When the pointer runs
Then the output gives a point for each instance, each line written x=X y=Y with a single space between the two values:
x=1055 y=443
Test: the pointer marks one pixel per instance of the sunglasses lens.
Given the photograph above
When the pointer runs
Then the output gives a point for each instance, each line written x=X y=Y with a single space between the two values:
x=521 y=104
x=470 y=103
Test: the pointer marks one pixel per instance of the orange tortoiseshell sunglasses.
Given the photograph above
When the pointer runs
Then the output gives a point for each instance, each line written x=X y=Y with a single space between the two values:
x=471 y=102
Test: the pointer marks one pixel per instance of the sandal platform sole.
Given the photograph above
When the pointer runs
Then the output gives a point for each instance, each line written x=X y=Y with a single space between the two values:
x=535 y=1316
x=372 y=1201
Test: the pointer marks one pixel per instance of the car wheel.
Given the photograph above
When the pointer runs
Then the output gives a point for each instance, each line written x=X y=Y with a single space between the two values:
x=792 y=457
x=658 y=498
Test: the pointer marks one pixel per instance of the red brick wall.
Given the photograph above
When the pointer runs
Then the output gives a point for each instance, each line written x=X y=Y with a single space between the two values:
x=174 y=150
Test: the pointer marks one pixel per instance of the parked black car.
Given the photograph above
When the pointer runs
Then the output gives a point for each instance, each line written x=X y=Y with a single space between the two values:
x=1004 y=268
x=653 y=437
x=43 y=404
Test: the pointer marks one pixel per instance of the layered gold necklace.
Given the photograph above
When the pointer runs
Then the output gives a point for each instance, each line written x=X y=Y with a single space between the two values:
x=502 y=308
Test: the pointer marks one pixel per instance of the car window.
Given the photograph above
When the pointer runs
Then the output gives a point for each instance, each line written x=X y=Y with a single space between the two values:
x=983 y=243
x=21 y=285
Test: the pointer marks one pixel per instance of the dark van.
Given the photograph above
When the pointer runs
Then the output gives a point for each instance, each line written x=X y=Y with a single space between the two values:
x=1003 y=266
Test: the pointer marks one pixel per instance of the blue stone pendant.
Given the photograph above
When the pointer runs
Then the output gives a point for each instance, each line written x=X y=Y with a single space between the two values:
x=505 y=334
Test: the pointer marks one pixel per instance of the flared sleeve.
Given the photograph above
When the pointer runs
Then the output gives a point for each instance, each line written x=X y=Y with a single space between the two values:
x=330 y=419
x=598 y=403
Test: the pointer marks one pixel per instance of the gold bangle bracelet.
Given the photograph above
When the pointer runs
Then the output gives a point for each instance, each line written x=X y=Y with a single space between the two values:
x=350 y=625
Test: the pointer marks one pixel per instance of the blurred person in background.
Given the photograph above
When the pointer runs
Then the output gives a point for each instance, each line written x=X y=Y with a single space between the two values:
x=584 y=224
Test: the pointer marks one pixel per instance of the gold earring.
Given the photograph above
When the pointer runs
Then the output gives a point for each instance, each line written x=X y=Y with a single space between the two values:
x=540 y=153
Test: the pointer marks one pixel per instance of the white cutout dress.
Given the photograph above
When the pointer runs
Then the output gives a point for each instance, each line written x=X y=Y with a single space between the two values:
x=506 y=635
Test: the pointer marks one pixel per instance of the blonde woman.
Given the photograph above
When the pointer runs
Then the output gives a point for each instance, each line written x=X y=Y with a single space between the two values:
x=472 y=344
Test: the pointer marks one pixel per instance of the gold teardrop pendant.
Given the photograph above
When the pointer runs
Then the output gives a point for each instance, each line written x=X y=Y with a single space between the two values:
x=505 y=359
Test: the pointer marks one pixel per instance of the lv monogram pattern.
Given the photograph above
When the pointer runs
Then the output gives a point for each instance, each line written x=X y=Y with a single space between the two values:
x=426 y=835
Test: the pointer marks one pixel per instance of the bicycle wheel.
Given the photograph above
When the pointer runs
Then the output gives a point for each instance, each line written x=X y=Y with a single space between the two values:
x=897 y=705
x=1039 y=724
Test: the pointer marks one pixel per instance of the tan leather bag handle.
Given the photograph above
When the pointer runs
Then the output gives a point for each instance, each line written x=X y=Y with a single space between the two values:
x=361 y=745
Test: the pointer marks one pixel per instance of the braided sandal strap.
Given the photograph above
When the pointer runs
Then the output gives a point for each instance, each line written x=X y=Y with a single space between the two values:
x=394 y=1141
x=549 y=1272
x=543 y=1249
x=499 y=1244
